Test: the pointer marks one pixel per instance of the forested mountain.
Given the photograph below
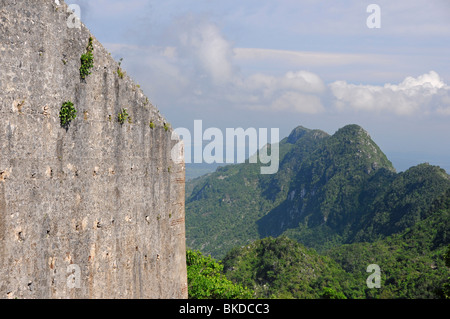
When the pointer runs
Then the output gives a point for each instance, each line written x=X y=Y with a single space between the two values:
x=412 y=264
x=330 y=190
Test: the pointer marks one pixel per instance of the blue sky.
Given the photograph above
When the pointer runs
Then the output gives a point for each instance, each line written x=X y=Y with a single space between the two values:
x=286 y=63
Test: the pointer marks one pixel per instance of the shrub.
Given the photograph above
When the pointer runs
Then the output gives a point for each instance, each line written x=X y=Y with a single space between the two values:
x=166 y=127
x=123 y=116
x=87 y=60
x=67 y=113
x=207 y=281
x=120 y=73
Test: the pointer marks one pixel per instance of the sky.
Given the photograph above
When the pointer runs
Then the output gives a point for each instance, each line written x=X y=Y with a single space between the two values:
x=321 y=64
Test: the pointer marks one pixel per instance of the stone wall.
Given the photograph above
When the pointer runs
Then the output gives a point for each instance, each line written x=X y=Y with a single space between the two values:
x=95 y=210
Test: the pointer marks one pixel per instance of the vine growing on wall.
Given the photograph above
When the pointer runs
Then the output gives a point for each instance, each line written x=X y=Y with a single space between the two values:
x=67 y=114
x=123 y=116
x=120 y=73
x=87 y=60
x=166 y=126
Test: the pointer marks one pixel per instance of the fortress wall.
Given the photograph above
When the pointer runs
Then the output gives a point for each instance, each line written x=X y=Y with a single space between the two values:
x=95 y=210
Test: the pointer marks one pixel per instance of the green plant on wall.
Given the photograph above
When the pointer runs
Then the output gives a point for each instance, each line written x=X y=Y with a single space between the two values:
x=120 y=73
x=67 y=113
x=87 y=60
x=152 y=125
x=166 y=127
x=123 y=116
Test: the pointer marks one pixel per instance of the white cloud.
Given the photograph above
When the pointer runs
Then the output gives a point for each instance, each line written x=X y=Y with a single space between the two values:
x=297 y=92
x=203 y=67
x=307 y=58
x=298 y=103
x=424 y=94
x=203 y=42
x=428 y=83
x=198 y=66
x=268 y=85
x=303 y=81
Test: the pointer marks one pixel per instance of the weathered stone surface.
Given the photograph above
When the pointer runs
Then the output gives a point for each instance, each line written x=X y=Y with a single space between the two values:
x=94 y=211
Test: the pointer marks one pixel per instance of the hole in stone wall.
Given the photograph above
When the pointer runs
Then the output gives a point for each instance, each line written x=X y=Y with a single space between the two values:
x=20 y=236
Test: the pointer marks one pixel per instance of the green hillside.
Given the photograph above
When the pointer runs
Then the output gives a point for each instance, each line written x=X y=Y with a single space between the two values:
x=282 y=268
x=330 y=190
x=412 y=264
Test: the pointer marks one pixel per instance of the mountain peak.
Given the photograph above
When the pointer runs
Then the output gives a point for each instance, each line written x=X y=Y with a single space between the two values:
x=357 y=143
x=301 y=131
x=328 y=190
x=352 y=130
x=297 y=133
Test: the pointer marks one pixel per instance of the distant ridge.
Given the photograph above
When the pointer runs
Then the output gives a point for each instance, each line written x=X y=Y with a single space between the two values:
x=329 y=190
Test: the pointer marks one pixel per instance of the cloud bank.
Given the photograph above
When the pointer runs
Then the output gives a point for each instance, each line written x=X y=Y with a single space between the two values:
x=424 y=94
x=198 y=67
